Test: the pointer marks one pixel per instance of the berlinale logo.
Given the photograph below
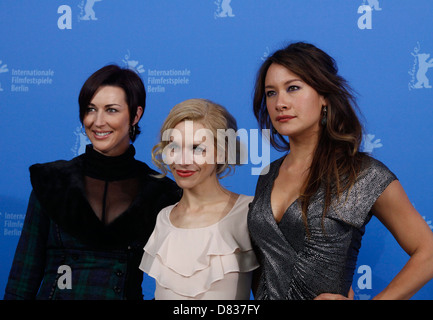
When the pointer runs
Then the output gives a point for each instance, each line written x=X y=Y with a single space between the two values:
x=366 y=20
x=87 y=12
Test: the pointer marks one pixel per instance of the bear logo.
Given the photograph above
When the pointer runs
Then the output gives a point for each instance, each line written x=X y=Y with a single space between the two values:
x=423 y=66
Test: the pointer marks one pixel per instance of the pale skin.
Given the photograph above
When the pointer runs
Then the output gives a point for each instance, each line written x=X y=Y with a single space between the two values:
x=204 y=201
x=287 y=94
x=107 y=121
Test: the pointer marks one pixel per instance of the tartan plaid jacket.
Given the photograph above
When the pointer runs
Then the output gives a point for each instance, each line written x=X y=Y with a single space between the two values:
x=61 y=231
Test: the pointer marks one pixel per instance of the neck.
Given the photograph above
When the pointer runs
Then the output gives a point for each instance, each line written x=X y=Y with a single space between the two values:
x=204 y=195
x=302 y=150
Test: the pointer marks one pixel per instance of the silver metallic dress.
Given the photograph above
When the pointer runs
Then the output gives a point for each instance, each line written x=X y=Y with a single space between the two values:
x=297 y=266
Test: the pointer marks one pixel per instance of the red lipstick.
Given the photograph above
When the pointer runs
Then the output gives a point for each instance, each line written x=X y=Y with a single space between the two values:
x=185 y=173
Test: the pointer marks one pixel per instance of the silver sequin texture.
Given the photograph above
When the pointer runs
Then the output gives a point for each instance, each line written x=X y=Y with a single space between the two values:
x=295 y=266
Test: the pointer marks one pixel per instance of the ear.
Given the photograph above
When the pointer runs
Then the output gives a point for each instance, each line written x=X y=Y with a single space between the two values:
x=138 y=115
x=323 y=101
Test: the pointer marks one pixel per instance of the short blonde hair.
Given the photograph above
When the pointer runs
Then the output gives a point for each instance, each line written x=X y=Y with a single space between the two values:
x=213 y=117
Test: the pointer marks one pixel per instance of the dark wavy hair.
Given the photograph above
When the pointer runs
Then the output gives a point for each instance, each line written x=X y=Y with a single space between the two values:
x=337 y=159
x=113 y=75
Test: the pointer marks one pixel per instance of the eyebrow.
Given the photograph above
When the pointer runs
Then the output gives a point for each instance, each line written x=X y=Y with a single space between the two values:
x=285 y=83
x=107 y=105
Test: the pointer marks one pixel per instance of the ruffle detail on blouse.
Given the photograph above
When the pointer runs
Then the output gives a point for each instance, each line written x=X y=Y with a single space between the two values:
x=188 y=261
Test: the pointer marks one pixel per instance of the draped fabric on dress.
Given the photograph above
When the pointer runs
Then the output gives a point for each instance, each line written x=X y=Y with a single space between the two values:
x=300 y=266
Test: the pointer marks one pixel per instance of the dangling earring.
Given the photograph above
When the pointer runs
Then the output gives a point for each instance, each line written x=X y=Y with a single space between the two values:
x=132 y=131
x=324 y=118
x=83 y=132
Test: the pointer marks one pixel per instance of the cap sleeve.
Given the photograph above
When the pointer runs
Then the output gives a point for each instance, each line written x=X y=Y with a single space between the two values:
x=354 y=206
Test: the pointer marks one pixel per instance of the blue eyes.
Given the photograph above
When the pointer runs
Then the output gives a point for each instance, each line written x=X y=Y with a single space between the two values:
x=109 y=110
x=199 y=149
x=196 y=148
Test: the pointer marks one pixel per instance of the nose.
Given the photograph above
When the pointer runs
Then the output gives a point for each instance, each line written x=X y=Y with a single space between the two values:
x=281 y=103
x=187 y=156
x=281 y=107
x=99 y=119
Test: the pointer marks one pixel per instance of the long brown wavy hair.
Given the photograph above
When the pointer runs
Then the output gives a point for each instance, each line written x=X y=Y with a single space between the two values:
x=337 y=159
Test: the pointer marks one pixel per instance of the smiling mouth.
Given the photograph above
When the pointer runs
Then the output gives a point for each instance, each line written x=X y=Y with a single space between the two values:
x=185 y=173
x=101 y=134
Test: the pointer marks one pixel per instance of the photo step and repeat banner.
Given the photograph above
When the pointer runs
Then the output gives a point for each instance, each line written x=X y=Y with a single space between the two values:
x=212 y=49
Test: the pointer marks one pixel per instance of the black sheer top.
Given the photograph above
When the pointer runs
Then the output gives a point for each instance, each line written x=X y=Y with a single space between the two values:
x=111 y=183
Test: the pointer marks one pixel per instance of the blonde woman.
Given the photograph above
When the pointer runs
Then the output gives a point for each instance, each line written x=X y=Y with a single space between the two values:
x=200 y=248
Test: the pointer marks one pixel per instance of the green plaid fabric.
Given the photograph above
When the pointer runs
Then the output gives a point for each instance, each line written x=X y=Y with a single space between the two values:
x=28 y=269
x=95 y=274
x=96 y=261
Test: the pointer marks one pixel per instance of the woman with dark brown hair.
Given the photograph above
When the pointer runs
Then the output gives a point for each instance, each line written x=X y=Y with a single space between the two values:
x=88 y=218
x=311 y=208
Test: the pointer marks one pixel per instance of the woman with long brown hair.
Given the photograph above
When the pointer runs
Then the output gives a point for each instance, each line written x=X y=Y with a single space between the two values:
x=311 y=208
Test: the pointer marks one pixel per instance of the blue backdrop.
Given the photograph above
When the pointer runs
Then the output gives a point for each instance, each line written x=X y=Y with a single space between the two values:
x=212 y=49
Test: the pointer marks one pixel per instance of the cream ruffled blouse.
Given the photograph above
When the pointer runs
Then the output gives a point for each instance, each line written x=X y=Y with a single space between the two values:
x=213 y=262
